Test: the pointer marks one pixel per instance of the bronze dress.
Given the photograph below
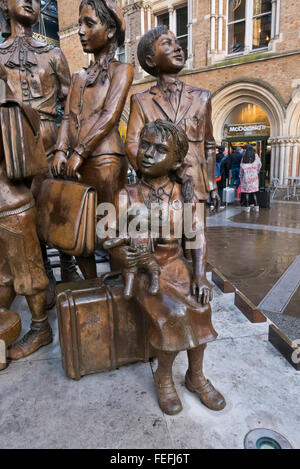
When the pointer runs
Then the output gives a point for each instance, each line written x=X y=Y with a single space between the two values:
x=176 y=320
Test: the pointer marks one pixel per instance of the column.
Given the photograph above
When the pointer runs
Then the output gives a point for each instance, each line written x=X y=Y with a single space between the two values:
x=220 y=29
x=274 y=5
x=142 y=21
x=172 y=18
x=273 y=160
x=277 y=167
x=212 y=25
x=281 y=161
x=148 y=18
x=277 y=25
x=190 y=28
x=295 y=158
x=286 y=161
x=249 y=27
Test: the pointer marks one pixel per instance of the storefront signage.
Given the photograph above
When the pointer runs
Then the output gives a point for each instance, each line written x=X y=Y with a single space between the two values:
x=232 y=130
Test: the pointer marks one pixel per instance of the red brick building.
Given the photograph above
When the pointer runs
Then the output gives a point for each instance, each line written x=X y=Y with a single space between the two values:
x=246 y=52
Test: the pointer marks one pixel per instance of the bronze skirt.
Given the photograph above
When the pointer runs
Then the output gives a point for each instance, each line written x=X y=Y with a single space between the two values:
x=177 y=321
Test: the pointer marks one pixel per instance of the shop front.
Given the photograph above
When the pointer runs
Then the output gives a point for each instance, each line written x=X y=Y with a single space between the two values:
x=248 y=124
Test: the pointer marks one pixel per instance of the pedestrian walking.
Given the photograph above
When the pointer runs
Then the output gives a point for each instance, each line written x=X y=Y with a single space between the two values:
x=249 y=170
x=235 y=163
x=222 y=170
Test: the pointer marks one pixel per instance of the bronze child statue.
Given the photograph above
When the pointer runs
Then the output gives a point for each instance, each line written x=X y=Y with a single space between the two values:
x=160 y=55
x=89 y=143
x=38 y=76
x=179 y=313
x=21 y=265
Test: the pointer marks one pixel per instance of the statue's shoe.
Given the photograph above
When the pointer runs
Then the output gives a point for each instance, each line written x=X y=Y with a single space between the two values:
x=208 y=394
x=39 y=335
x=167 y=396
x=69 y=272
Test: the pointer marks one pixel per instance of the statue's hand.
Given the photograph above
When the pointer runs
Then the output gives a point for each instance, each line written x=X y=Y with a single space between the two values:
x=215 y=200
x=128 y=256
x=72 y=166
x=202 y=289
x=59 y=161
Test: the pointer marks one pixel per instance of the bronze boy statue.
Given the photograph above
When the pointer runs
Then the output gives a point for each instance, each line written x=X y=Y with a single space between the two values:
x=160 y=55
x=179 y=312
x=21 y=265
x=89 y=143
x=38 y=76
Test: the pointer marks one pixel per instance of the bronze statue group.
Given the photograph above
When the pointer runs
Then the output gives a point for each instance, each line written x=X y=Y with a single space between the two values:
x=169 y=143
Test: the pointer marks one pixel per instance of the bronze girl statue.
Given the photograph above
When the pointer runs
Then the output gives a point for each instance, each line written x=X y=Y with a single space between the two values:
x=89 y=144
x=179 y=312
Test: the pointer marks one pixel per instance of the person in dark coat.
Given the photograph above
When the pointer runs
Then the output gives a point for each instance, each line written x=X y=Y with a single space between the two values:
x=222 y=169
x=235 y=163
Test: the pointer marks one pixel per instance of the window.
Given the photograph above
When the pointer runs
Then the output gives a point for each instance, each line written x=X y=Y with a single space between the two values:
x=121 y=55
x=182 y=29
x=163 y=20
x=249 y=25
x=236 y=26
x=262 y=18
x=180 y=21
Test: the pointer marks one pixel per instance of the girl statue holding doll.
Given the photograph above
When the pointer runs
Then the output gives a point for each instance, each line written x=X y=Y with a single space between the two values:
x=89 y=145
x=176 y=300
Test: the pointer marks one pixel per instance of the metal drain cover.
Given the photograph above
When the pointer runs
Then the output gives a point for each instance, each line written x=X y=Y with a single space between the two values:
x=261 y=438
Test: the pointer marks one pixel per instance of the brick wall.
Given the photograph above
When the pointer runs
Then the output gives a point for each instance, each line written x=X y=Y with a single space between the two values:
x=69 y=39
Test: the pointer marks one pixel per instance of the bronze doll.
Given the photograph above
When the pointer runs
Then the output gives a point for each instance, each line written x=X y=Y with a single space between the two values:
x=89 y=144
x=160 y=55
x=38 y=76
x=179 y=312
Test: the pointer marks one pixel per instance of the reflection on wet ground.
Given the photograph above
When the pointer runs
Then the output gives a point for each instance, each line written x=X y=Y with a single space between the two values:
x=254 y=250
x=253 y=260
x=280 y=214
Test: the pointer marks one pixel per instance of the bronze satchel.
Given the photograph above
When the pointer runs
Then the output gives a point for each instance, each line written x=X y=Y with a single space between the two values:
x=66 y=216
x=21 y=140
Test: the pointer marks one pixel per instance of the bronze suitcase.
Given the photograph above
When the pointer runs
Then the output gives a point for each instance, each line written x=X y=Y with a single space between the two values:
x=66 y=216
x=98 y=329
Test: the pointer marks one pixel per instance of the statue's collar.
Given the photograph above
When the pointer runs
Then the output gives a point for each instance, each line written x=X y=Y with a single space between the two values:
x=22 y=52
x=27 y=41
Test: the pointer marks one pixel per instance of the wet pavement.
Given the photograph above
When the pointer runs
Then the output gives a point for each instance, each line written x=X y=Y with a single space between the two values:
x=280 y=214
x=257 y=253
